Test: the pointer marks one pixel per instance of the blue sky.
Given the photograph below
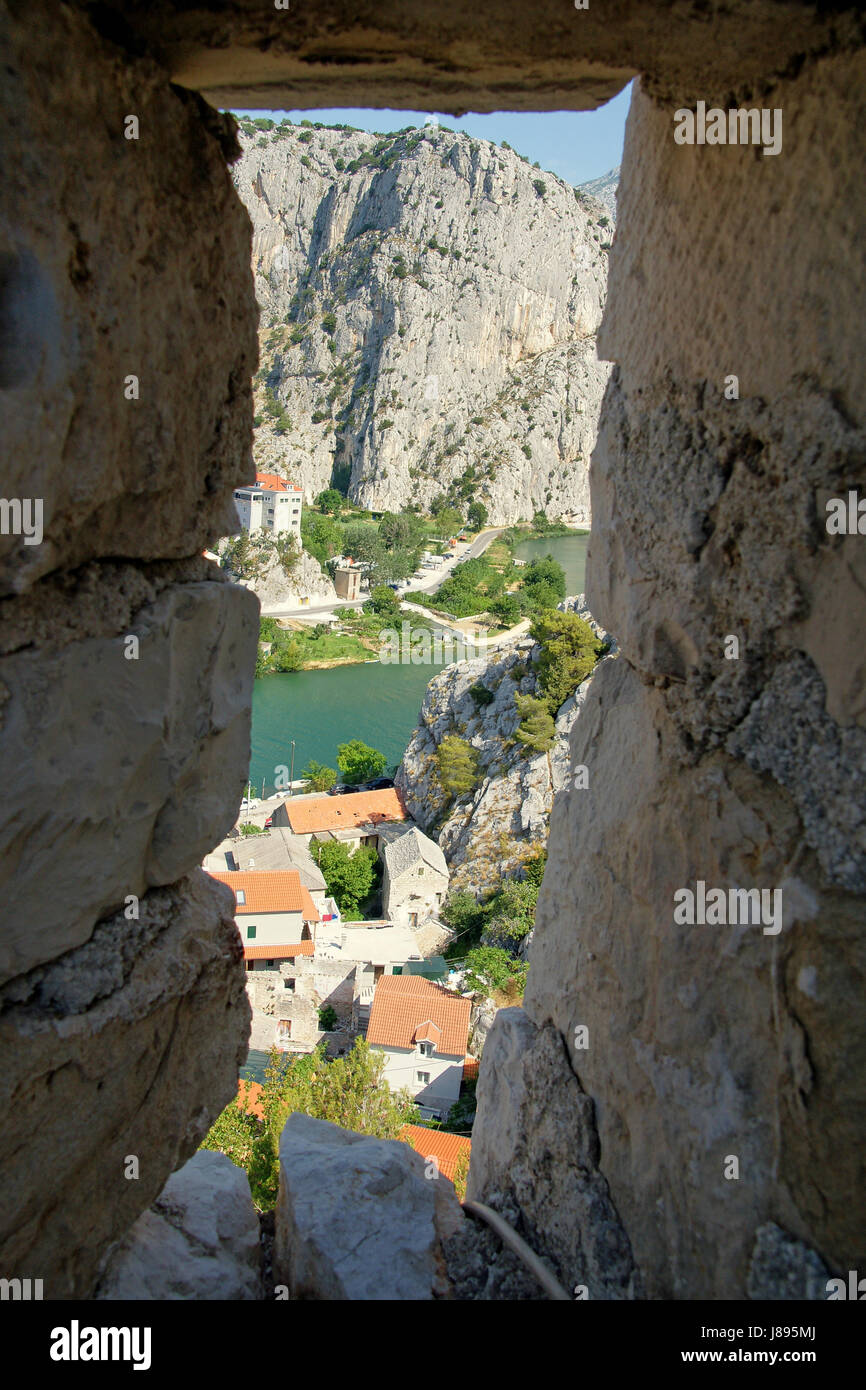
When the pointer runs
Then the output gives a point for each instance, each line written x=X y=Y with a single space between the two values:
x=577 y=145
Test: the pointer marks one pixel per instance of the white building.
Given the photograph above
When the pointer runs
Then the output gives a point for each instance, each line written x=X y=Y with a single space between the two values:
x=275 y=915
x=270 y=504
x=423 y=1030
x=415 y=881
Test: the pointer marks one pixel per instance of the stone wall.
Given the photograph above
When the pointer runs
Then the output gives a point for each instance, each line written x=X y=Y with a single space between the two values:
x=122 y=1009
x=707 y=1043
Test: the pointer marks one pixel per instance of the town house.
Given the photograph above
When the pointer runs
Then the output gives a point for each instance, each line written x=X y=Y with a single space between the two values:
x=275 y=915
x=423 y=1030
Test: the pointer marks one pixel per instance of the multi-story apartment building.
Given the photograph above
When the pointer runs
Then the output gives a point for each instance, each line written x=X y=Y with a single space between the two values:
x=270 y=504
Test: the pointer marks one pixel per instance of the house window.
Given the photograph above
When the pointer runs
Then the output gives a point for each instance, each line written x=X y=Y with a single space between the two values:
x=284 y=1029
x=269 y=965
x=251 y=965
x=423 y=1078
x=288 y=984
x=426 y=1049
x=251 y=933
x=420 y=870
x=241 y=897
x=413 y=920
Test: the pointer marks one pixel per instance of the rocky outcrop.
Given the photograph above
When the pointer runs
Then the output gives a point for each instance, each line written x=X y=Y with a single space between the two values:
x=274 y=588
x=430 y=307
x=359 y=1218
x=487 y=834
x=199 y=1240
x=725 y=745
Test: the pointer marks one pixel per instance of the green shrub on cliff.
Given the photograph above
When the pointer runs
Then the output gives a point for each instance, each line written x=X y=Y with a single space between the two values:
x=569 y=652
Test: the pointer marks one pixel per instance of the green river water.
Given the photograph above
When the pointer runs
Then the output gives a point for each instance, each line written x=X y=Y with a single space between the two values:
x=376 y=703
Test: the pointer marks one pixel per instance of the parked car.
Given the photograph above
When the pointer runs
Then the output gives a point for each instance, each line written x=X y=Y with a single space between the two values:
x=340 y=789
x=378 y=785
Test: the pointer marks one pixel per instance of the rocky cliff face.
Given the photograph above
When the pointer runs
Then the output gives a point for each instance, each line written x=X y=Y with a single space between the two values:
x=487 y=834
x=429 y=310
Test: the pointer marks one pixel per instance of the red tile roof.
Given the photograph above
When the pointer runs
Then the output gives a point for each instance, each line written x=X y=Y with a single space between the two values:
x=402 y=1003
x=434 y=1143
x=470 y=1068
x=269 y=890
x=248 y=1097
x=345 y=812
x=297 y=948
x=272 y=482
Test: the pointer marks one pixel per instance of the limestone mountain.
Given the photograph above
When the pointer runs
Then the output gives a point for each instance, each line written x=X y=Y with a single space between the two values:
x=604 y=190
x=429 y=308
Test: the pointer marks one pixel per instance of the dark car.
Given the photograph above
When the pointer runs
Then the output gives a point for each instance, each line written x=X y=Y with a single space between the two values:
x=340 y=789
x=379 y=785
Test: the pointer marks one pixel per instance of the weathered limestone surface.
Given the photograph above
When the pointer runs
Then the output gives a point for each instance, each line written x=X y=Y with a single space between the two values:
x=357 y=1218
x=122 y=1024
x=153 y=754
x=199 y=1240
x=506 y=56
x=134 y=263
x=126 y=1046
x=538 y=1143
x=711 y=1041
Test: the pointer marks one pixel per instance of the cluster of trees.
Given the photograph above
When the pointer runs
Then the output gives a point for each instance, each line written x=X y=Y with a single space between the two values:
x=357 y=761
x=348 y=1091
x=479 y=586
x=350 y=878
x=392 y=548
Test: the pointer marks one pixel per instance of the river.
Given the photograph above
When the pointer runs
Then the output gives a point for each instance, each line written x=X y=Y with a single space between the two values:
x=376 y=703
x=570 y=551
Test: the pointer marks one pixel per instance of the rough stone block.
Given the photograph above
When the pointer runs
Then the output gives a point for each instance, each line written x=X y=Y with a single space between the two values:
x=134 y=768
x=200 y=1239
x=357 y=1218
x=124 y=1048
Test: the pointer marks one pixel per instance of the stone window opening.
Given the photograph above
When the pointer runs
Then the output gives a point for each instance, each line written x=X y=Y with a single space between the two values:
x=675 y=322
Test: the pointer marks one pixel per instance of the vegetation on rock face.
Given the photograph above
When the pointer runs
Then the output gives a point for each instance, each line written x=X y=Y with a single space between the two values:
x=536 y=730
x=491 y=970
x=349 y=878
x=458 y=765
x=358 y=762
x=348 y=1091
x=569 y=652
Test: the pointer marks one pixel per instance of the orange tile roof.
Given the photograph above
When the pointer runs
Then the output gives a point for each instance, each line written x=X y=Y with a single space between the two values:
x=434 y=1143
x=428 y=1032
x=272 y=482
x=248 y=1097
x=470 y=1068
x=269 y=890
x=345 y=812
x=297 y=948
x=402 y=1002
